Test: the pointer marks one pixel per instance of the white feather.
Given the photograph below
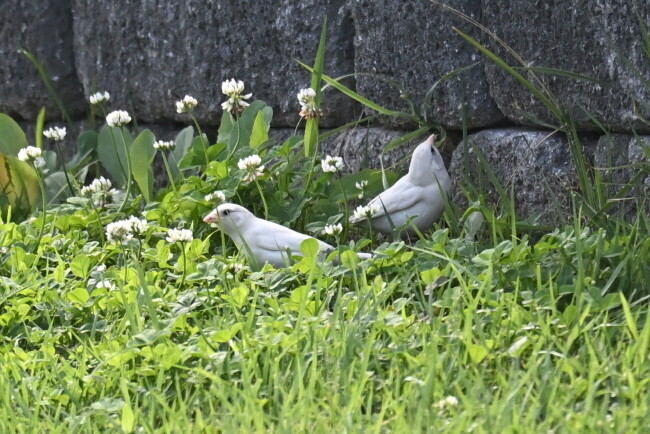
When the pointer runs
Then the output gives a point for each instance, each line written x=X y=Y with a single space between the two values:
x=417 y=198
x=265 y=241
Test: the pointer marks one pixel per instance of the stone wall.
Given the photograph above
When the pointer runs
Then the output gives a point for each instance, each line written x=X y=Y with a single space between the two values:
x=150 y=53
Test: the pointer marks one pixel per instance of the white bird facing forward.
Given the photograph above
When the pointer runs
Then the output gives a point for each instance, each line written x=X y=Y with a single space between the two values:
x=264 y=240
x=418 y=195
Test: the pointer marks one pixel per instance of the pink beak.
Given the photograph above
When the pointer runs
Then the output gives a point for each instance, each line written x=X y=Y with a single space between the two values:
x=213 y=217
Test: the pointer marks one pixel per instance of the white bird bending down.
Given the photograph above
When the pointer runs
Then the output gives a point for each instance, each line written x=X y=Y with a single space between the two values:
x=264 y=240
x=416 y=196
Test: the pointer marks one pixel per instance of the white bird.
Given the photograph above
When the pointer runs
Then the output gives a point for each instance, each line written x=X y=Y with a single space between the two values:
x=417 y=196
x=265 y=241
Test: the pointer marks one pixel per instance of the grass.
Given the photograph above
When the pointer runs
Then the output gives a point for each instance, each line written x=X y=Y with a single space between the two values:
x=504 y=327
x=527 y=337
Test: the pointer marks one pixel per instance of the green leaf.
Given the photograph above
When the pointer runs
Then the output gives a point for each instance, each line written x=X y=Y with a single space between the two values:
x=78 y=296
x=19 y=182
x=12 y=137
x=127 y=420
x=239 y=295
x=111 y=153
x=183 y=143
x=87 y=142
x=80 y=266
x=309 y=248
x=349 y=259
x=86 y=145
x=476 y=352
x=225 y=128
x=260 y=133
x=55 y=186
x=242 y=128
x=142 y=153
x=217 y=169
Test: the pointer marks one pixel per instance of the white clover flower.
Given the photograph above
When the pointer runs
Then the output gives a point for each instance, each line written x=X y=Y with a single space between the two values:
x=235 y=102
x=119 y=232
x=179 y=236
x=57 y=133
x=186 y=105
x=162 y=145
x=100 y=268
x=39 y=163
x=232 y=86
x=103 y=283
x=450 y=401
x=331 y=164
x=138 y=226
x=29 y=154
x=118 y=118
x=306 y=96
x=361 y=185
x=216 y=197
x=333 y=230
x=307 y=100
x=235 y=267
x=124 y=230
x=252 y=165
x=99 y=97
x=100 y=192
x=98 y=185
x=363 y=212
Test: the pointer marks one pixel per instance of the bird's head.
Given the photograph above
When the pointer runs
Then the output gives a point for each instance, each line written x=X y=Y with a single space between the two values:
x=231 y=218
x=425 y=162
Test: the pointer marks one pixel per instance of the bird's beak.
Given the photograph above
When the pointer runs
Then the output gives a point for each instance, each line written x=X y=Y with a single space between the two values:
x=213 y=217
x=432 y=140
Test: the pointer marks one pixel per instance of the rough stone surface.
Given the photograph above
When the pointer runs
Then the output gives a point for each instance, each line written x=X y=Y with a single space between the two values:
x=149 y=54
x=413 y=43
x=639 y=161
x=360 y=148
x=68 y=145
x=581 y=37
x=45 y=30
x=537 y=165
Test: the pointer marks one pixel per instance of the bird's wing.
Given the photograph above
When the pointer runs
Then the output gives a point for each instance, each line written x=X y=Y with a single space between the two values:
x=277 y=238
x=401 y=196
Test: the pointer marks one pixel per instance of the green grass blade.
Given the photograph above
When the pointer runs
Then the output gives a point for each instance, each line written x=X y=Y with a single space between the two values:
x=355 y=96
x=429 y=95
x=38 y=132
x=48 y=84
x=629 y=319
x=404 y=139
x=561 y=72
x=311 y=127
x=510 y=70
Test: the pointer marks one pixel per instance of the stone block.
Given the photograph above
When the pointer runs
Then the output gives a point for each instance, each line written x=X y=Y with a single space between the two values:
x=44 y=29
x=600 y=39
x=413 y=44
x=536 y=164
x=149 y=54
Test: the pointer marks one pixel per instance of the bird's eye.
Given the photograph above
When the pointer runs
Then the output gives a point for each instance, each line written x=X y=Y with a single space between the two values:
x=226 y=212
